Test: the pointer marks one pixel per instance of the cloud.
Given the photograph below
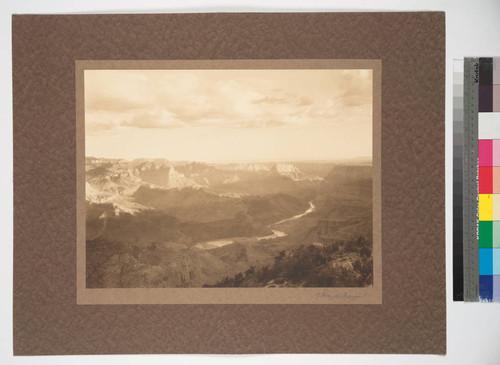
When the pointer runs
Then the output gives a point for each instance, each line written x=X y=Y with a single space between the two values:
x=269 y=100
x=304 y=101
x=163 y=99
x=356 y=88
x=263 y=123
x=157 y=118
x=99 y=128
x=103 y=102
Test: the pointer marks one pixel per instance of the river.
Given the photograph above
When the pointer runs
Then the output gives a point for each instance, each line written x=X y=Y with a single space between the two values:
x=276 y=233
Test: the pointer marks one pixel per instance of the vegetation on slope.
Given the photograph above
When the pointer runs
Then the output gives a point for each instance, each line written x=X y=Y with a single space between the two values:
x=340 y=264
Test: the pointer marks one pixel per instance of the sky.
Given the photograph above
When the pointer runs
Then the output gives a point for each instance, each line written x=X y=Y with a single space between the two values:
x=228 y=115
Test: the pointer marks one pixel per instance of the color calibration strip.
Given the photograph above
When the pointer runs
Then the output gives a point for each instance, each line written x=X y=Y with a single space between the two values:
x=476 y=180
x=489 y=178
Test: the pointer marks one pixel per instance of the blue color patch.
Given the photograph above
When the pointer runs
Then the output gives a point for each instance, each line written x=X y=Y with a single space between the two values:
x=486 y=288
x=485 y=261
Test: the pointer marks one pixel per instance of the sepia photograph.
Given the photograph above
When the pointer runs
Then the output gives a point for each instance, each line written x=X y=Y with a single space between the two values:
x=228 y=178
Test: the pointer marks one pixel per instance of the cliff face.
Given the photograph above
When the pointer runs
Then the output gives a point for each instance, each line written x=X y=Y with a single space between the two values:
x=350 y=180
x=344 y=204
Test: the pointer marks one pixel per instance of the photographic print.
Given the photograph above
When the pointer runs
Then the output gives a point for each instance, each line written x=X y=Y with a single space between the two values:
x=230 y=177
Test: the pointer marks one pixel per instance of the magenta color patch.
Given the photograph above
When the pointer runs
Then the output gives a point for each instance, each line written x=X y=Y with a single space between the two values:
x=486 y=152
x=496 y=152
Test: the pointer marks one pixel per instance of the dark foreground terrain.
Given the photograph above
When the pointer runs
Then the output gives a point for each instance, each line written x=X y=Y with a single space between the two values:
x=342 y=264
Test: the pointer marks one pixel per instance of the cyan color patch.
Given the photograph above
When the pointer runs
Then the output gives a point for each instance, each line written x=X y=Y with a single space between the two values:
x=485 y=261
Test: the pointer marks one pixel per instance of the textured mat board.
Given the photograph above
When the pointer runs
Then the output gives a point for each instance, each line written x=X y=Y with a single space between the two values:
x=412 y=316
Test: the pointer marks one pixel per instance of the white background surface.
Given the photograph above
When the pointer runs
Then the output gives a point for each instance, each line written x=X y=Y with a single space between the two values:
x=472 y=29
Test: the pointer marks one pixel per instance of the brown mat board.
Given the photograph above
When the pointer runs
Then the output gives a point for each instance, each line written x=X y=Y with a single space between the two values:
x=412 y=316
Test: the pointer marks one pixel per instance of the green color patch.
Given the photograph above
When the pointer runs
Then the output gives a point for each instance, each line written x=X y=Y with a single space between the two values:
x=486 y=234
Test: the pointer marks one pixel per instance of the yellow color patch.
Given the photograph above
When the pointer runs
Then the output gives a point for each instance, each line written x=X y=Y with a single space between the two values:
x=485 y=207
